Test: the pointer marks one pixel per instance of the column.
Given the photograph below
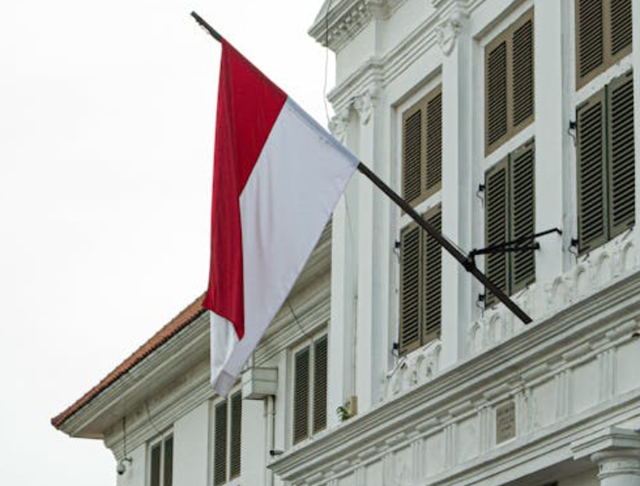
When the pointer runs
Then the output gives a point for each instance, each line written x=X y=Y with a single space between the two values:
x=616 y=452
x=457 y=181
x=552 y=141
x=343 y=281
x=618 y=467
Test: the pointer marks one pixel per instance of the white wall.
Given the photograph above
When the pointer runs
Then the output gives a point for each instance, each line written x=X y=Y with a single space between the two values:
x=254 y=443
x=136 y=470
x=191 y=448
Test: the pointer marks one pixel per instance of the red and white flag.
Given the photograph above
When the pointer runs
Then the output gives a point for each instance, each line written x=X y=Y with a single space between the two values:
x=277 y=178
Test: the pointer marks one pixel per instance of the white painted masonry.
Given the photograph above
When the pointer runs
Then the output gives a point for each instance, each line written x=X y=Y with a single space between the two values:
x=431 y=417
x=190 y=442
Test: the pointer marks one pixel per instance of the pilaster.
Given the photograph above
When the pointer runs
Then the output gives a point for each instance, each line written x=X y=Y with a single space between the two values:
x=457 y=180
x=343 y=279
x=373 y=253
x=552 y=141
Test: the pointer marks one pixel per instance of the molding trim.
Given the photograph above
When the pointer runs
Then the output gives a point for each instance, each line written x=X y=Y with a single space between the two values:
x=609 y=439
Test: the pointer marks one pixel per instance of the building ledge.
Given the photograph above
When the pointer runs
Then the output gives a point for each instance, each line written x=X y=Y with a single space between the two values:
x=531 y=369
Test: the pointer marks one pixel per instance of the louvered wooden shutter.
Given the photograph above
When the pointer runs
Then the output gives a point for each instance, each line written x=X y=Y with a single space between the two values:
x=621 y=155
x=522 y=217
x=168 y=462
x=496 y=225
x=156 y=452
x=621 y=28
x=410 y=298
x=496 y=99
x=509 y=82
x=433 y=164
x=604 y=32
x=591 y=172
x=320 y=364
x=413 y=154
x=220 y=444
x=522 y=74
x=590 y=55
x=431 y=279
x=301 y=395
x=236 y=436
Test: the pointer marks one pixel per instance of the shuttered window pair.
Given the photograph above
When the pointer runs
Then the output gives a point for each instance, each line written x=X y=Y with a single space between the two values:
x=161 y=462
x=420 y=284
x=310 y=389
x=510 y=215
x=509 y=82
x=606 y=164
x=603 y=36
x=422 y=148
x=227 y=439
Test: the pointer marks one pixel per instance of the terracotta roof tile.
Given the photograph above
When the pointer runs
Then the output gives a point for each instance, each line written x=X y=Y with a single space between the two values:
x=182 y=320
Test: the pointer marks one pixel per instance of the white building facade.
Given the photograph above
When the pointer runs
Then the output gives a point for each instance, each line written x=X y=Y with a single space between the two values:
x=496 y=119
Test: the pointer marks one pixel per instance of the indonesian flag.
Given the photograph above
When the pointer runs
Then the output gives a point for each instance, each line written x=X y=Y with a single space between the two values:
x=277 y=178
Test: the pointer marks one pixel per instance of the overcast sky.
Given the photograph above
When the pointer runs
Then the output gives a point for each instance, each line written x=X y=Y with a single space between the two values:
x=107 y=116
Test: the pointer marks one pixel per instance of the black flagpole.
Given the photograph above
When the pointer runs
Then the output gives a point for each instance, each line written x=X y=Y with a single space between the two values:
x=463 y=259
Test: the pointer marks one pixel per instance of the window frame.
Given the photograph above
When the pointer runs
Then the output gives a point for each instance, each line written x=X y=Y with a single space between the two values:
x=605 y=84
x=160 y=441
x=228 y=404
x=310 y=344
x=609 y=60
x=581 y=94
x=422 y=106
x=424 y=338
x=504 y=33
x=512 y=287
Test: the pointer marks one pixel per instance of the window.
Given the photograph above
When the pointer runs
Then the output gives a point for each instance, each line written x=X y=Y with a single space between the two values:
x=509 y=82
x=420 y=284
x=606 y=164
x=161 y=462
x=422 y=148
x=310 y=389
x=227 y=439
x=603 y=36
x=509 y=215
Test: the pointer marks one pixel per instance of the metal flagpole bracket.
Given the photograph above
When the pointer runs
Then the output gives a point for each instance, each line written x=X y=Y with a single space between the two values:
x=524 y=243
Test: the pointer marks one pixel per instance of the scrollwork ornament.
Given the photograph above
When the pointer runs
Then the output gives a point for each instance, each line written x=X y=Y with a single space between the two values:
x=449 y=31
x=364 y=105
x=339 y=125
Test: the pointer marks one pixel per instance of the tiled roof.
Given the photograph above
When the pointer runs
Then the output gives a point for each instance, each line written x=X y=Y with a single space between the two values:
x=182 y=320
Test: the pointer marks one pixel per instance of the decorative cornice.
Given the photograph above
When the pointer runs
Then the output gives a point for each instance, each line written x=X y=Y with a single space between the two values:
x=347 y=18
x=367 y=77
x=441 y=26
x=607 y=440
